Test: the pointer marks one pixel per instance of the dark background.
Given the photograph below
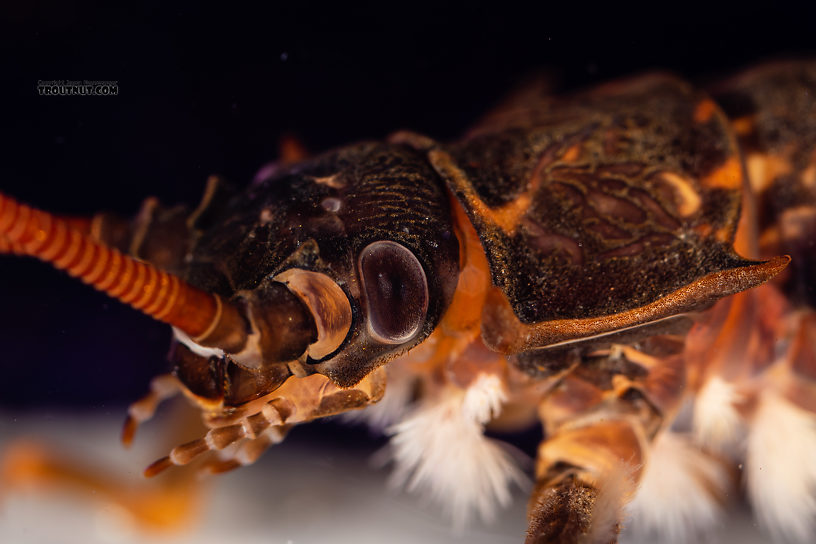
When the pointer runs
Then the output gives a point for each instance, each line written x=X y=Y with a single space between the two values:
x=212 y=90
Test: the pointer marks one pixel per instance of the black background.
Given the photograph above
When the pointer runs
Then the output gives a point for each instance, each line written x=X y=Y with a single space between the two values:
x=211 y=90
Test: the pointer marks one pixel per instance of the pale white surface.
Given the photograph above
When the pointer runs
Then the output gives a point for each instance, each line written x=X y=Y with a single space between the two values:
x=294 y=495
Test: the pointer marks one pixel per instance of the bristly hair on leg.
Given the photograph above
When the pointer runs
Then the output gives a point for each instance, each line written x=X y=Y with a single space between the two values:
x=440 y=450
x=616 y=488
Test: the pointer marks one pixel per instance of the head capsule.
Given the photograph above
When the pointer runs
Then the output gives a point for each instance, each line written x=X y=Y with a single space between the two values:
x=340 y=264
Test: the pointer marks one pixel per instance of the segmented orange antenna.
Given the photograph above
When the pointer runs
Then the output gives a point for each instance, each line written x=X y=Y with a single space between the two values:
x=7 y=246
x=82 y=224
x=203 y=316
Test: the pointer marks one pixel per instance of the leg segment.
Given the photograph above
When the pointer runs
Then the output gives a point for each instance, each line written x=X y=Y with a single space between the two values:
x=585 y=475
x=297 y=401
x=246 y=454
x=599 y=423
x=161 y=388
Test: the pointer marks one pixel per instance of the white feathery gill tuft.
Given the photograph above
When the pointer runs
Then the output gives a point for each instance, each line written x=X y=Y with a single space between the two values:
x=717 y=423
x=681 y=492
x=440 y=450
x=780 y=468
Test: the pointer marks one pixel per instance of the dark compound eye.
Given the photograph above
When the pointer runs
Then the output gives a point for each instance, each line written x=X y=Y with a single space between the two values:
x=396 y=291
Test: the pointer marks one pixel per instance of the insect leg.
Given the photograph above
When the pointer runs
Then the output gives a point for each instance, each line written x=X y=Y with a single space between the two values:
x=247 y=453
x=297 y=401
x=584 y=476
x=215 y=440
x=599 y=424
x=161 y=388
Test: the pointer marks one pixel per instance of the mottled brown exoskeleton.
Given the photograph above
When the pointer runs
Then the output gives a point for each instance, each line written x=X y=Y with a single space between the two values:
x=561 y=262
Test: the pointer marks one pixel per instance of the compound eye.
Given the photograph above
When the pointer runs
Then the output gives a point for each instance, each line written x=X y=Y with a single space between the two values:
x=396 y=291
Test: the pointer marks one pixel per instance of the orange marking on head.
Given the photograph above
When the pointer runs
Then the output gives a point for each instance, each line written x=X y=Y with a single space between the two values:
x=704 y=111
x=727 y=176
